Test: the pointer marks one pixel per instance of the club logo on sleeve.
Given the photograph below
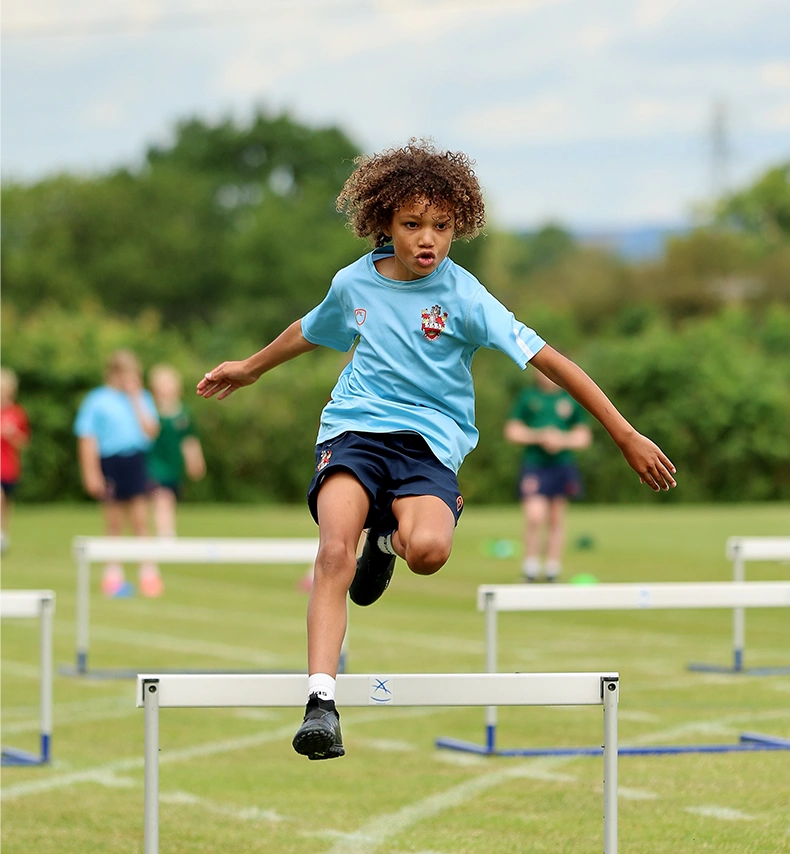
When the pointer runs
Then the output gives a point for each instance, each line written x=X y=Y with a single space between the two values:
x=326 y=456
x=360 y=315
x=433 y=322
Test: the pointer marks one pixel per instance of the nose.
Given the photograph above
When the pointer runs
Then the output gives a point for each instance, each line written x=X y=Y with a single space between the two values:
x=426 y=236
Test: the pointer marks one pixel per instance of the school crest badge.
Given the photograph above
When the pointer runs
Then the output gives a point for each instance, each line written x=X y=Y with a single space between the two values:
x=326 y=456
x=433 y=322
x=360 y=315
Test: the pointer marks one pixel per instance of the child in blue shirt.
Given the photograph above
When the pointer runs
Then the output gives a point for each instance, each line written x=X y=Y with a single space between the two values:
x=115 y=426
x=401 y=418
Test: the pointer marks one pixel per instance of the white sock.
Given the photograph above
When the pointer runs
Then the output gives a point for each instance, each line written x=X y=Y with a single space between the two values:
x=385 y=544
x=322 y=684
x=531 y=567
x=553 y=568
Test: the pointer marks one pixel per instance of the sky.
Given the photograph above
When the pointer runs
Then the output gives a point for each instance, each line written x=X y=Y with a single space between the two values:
x=594 y=114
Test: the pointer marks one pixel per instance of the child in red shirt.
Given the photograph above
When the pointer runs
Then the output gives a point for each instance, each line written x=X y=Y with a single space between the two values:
x=14 y=435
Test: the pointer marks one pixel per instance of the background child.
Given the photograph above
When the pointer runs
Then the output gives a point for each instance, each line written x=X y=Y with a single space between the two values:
x=115 y=426
x=14 y=436
x=401 y=417
x=176 y=452
x=550 y=425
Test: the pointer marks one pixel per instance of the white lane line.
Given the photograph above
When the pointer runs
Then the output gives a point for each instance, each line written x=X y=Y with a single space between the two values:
x=20 y=669
x=180 y=798
x=377 y=832
x=98 y=774
x=635 y=794
x=720 y=813
x=76 y=713
x=153 y=640
x=387 y=745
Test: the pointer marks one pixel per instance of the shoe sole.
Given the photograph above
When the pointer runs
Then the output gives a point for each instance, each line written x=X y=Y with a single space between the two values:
x=317 y=743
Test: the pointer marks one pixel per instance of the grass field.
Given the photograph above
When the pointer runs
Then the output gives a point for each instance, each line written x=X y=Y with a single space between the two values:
x=231 y=783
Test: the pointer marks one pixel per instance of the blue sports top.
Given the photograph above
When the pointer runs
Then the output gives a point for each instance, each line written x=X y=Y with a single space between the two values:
x=107 y=414
x=411 y=370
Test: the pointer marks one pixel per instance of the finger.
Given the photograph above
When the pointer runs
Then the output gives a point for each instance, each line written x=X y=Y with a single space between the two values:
x=228 y=391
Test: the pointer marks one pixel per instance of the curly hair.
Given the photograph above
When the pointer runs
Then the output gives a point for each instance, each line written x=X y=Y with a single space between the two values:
x=384 y=182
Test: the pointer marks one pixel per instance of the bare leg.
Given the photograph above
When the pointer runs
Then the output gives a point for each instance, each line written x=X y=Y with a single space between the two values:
x=342 y=507
x=556 y=538
x=164 y=501
x=536 y=510
x=424 y=537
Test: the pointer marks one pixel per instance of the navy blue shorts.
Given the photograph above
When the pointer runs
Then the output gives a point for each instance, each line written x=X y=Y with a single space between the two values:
x=126 y=475
x=563 y=481
x=9 y=487
x=388 y=465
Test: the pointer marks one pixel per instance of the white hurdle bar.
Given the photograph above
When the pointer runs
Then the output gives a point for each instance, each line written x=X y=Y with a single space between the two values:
x=492 y=599
x=425 y=689
x=34 y=604
x=89 y=550
x=739 y=550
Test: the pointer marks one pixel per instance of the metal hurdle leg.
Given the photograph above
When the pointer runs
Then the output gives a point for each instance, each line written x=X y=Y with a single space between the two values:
x=151 y=771
x=46 y=678
x=611 y=695
x=738 y=617
x=491 y=667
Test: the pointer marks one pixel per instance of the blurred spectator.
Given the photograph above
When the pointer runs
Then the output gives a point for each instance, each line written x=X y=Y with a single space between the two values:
x=550 y=425
x=115 y=426
x=14 y=436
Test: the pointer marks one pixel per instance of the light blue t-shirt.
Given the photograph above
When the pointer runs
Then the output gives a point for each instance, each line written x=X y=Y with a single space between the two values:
x=107 y=414
x=411 y=370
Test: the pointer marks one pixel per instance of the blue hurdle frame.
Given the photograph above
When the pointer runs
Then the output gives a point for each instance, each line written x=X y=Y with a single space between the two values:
x=34 y=604
x=748 y=742
x=739 y=550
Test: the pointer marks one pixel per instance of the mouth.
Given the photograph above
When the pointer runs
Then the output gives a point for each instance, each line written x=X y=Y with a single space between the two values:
x=425 y=259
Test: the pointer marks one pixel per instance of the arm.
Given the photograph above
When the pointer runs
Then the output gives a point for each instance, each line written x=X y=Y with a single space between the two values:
x=646 y=458
x=230 y=376
x=14 y=434
x=194 y=461
x=90 y=466
x=549 y=438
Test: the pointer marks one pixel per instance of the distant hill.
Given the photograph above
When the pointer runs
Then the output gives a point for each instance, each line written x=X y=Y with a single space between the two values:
x=639 y=243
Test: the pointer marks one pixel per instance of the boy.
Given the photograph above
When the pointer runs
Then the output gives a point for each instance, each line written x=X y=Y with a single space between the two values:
x=176 y=451
x=550 y=425
x=14 y=437
x=115 y=426
x=401 y=417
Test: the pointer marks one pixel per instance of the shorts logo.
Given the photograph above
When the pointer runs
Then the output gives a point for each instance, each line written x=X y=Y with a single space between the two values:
x=360 y=315
x=326 y=456
x=459 y=503
x=433 y=322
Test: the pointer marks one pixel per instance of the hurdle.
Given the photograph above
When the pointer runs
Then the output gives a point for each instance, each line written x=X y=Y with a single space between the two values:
x=34 y=604
x=90 y=550
x=739 y=550
x=492 y=599
x=155 y=692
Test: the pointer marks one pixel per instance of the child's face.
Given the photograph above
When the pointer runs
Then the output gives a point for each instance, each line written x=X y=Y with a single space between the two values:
x=421 y=236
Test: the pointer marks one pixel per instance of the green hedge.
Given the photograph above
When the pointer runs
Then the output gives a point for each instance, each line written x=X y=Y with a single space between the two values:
x=713 y=393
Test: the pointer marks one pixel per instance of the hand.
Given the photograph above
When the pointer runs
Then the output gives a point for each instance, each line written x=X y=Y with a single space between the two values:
x=96 y=486
x=649 y=462
x=552 y=440
x=131 y=383
x=225 y=379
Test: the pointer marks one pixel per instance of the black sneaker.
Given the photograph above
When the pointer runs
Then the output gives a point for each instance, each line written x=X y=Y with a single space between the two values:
x=319 y=735
x=374 y=571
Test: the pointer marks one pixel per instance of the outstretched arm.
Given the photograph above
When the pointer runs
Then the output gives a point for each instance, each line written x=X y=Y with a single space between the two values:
x=230 y=376
x=644 y=456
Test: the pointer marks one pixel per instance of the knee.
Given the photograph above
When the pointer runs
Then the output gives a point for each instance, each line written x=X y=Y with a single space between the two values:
x=427 y=554
x=336 y=561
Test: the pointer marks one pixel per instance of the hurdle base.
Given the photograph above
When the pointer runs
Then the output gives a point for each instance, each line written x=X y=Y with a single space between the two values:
x=748 y=743
x=13 y=757
x=697 y=667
